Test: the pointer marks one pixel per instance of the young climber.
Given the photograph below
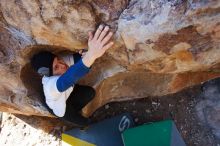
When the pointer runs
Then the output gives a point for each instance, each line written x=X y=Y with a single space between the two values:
x=63 y=96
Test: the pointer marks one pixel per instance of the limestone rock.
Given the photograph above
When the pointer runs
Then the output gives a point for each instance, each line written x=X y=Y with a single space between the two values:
x=161 y=47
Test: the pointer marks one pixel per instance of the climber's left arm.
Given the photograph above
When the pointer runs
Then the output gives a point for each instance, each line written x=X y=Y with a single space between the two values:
x=98 y=45
x=72 y=75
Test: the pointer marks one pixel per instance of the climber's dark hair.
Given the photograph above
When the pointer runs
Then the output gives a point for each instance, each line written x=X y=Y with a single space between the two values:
x=42 y=63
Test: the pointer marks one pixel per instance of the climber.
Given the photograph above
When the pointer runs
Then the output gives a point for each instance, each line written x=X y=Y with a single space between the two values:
x=64 y=98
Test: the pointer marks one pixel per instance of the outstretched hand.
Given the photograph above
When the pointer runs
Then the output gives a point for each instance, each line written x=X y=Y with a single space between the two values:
x=98 y=44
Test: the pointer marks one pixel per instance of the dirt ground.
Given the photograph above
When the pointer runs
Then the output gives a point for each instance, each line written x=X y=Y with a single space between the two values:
x=182 y=107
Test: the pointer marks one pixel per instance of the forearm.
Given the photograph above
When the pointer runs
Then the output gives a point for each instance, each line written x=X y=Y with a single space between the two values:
x=88 y=59
x=72 y=75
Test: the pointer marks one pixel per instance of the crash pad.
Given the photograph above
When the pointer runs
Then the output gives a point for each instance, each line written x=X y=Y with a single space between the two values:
x=104 y=133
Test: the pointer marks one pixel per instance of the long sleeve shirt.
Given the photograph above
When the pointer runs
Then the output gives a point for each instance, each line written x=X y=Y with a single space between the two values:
x=71 y=76
x=57 y=89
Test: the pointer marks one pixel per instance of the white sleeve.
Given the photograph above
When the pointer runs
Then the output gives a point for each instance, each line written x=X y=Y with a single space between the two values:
x=54 y=99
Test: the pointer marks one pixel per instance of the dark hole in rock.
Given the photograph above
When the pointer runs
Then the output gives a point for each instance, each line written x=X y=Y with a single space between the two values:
x=32 y=81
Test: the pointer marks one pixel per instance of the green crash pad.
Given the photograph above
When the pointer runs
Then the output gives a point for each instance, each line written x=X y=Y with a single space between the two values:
x=162 y=133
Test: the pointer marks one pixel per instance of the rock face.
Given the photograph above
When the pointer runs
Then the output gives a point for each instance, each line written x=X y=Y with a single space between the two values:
x=209 y=107
x=23 y=130
x=160 y=47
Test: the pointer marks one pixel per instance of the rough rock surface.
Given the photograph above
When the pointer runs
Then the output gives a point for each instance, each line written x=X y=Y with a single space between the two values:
x=161 y=47
x=26 y=131
x=208 y=109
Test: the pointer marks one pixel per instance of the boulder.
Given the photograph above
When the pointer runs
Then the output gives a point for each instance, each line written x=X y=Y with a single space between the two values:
x=161 y=47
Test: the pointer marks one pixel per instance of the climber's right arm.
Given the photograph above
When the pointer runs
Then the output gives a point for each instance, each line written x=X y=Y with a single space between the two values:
x=97 y=44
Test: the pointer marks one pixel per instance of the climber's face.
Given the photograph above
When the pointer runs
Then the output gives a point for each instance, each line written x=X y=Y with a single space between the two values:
x=59 y=66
